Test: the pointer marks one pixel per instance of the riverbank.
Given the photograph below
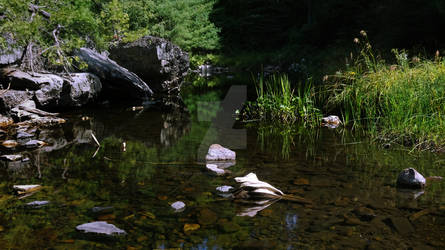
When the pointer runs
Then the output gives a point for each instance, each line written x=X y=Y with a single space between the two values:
x=132 y=187
x=401 y=103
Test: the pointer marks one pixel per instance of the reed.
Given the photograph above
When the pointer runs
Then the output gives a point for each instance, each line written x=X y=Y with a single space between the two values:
x=277 y=100
x=400 y=103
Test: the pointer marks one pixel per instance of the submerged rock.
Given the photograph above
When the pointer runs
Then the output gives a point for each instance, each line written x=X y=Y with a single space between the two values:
x=214 y=168
x=401 y=225
x=331 y=121
x=219 y=153
x=410 y=178
x=37 y=204
x=26 y=188
x=224 y=189
x=228 y=226
x=207 y=217
x=155 y=60
x=5 y=121
x=102 y=209
x=9 y=144
x=100 y=227
x=178 y=206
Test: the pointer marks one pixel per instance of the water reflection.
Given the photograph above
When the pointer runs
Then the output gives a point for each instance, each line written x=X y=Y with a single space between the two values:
x=349 y=180
x=291 y=221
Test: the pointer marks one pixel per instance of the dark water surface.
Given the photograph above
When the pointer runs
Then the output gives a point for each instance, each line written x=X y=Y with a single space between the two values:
x=349 y=180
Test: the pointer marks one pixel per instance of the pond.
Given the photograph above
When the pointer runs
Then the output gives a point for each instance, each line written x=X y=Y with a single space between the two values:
x=151 y=158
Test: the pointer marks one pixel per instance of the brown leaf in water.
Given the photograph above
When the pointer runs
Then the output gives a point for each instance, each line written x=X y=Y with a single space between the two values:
x=191 y=227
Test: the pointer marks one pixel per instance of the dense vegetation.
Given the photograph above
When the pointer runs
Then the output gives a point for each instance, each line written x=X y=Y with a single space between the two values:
x=252 y=31
x=57 y=27
x=321 y=31
x=278 y=101
x=401 y=103
x=306 y=39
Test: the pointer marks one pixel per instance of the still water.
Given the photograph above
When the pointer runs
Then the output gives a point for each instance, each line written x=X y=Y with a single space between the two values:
x=150 y=158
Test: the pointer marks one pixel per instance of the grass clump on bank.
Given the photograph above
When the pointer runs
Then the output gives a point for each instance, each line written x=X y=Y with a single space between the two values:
x=401 y=103
x=278 y=101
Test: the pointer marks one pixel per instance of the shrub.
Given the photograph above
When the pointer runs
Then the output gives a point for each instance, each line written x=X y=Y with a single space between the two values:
x=404 y=102
x=277 y=101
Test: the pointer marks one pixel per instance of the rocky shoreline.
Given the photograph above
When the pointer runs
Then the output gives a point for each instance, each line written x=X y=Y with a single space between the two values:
x=28 y=99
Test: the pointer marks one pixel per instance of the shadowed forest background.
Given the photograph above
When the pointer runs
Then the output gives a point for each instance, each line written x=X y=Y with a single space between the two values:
x=255 y=31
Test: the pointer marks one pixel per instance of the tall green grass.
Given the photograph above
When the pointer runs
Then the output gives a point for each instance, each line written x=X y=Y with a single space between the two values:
x=277 y=100
x=402 y=103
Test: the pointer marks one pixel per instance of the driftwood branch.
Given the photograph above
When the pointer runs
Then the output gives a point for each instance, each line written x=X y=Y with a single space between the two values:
x=95 y=139
x=34 y=9
x=38 y=111
x=28 y=51
x=59 y=51
x=5 y=90
x=31 y=60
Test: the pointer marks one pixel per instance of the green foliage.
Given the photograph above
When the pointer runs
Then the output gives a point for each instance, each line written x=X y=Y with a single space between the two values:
x=403 y=102
x=277 y=101
x=140 y=13
x=115 y=19
x=210 y=58
x=101 y=23
x=186 y=23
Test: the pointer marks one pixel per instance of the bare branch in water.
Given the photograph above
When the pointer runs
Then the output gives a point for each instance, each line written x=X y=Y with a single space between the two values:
x=95 y=139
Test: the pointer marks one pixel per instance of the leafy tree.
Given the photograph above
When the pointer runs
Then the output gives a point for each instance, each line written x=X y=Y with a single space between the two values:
x=186 y=23
x=115 y=19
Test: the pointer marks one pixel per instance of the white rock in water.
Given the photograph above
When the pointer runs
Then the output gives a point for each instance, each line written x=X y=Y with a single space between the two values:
x=222 y=164
x=251 y=181
x=26 y=188
x=219 y=153
x=11 y=157
x=179 y=206
x=224 y=189
x=331 y=121
x=101 y=209
x=100 y=227
x=9 y=144
x=215 y=169
x=410 y=178
x=37 y=203
x=34 y=144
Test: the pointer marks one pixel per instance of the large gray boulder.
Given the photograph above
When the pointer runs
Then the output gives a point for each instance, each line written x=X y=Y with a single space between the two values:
x=48 y=96
x=100 y=227
x=81 y=89
x=12 y=98
x=10 y=56
x=21 y=80
x=219 y=153
x=116 y=80
x=49 y=91
x=157 y=61
x=410 y=178
x=12 y=53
